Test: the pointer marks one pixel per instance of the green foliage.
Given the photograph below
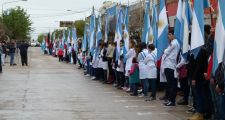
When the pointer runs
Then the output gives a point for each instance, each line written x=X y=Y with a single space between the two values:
x=40 y=38
x=80 y=24
x=18 y=22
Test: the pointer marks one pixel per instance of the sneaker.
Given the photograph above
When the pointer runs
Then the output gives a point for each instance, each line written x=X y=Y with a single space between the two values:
x=170 y=104
x=93 y=78
x=87 y=75
x=150 y=99
x=128 y=90
x=196 y=116
x=141 y=95
x=191 y=110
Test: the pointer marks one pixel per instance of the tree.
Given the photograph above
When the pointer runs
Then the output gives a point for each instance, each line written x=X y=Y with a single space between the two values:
x=80 y=24
x=40 y=38
x=18 y=22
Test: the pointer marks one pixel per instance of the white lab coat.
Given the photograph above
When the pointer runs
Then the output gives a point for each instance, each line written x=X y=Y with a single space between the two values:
x=143 y=74
x=129 y=57
x=150 y=61
x=170 y=59
x=162 y=74
x=102 y=64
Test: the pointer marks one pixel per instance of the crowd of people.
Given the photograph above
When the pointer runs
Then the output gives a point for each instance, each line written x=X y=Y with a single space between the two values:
x=10 y=49
x=138 y=72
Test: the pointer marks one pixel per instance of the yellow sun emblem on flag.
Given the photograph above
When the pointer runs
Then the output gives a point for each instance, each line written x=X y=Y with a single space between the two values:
x=125 y=35
x=150 y=38
x=160 y=23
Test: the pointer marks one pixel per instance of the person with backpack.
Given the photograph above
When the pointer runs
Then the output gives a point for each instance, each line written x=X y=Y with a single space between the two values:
x=150 y=61
x=134 y=77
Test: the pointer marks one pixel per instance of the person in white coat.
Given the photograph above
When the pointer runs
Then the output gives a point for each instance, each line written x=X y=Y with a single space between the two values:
x=129 y=57
x=150 y=61
x=170 y=63
x=143 y=68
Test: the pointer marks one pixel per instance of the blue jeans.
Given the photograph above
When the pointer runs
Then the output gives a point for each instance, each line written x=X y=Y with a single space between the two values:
x=134 y=89
x=12 y=55
x=153 y=84
x=145 y=83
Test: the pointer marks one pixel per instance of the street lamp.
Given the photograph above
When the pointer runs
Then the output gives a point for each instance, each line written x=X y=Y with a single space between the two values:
x=9 y=3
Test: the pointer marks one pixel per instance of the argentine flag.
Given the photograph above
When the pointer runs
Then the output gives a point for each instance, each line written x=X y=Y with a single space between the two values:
x=197 y=36
x=177 y=29
x=106 y=28
x=146 y=30
x=99 y=32
x=74 y=34
x=162 y=41
x=154 y=24
x=92 y=32
x=118 y=32
x=84 y=43
x=126 y=29
x=219 y=45
x=185 y=27
x=68 y=37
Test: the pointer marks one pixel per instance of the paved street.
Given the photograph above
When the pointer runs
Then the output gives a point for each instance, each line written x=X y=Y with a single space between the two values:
x=49 y=90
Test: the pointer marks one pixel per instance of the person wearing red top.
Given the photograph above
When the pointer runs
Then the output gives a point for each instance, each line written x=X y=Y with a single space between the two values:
x=60 y=54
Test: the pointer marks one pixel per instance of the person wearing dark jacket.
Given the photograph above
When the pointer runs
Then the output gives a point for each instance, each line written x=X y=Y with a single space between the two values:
x=23 y=53
x=12 y=51
x=200 y=83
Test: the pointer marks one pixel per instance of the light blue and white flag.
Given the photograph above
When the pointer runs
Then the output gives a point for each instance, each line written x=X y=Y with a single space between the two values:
x=74 y=35
x=68 y=37
x=185 y=27
x=106 y=28
x=145 y=33
x=99 y=32
x=177 y=29
x=219 y=43
x=84 y=43
x=154 y=24
x=92 y=31
x=118 y=32
x=126 y=31
x=197 y=36
x=162 y=41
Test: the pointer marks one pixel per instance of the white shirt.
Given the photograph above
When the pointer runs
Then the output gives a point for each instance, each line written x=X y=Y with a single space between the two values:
x=170 y=55
x=120 y=67
x=150 y=61
x=143 y=74
x=129 y=56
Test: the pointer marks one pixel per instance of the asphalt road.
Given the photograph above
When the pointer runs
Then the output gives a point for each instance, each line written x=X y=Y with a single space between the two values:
x=49 y=90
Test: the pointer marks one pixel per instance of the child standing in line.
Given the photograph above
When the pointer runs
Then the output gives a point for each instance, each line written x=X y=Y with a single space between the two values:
x=60 y=54
x=134 y=77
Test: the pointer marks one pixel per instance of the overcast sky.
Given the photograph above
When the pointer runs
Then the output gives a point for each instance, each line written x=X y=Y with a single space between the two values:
x=46 y=14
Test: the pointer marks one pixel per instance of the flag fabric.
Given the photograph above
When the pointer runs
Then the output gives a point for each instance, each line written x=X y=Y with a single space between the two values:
x=162 y=41
x=92 y=32
x=197 y=36
x=146 y=30
x=84 y=43
x=106 y=28
x=154 y=24
x=74 y=35
x=118 y=32
x=219 y=43
x=68 y=37
x=185 y=27
x=177 y=29
x=99 y=32
x=126 y=31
